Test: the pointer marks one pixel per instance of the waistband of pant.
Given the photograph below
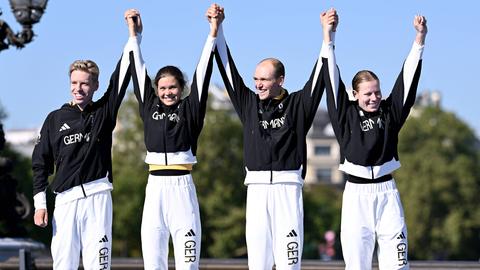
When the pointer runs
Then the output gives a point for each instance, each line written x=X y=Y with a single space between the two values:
x=169 y=172
x=373 y=188
x=360 y=180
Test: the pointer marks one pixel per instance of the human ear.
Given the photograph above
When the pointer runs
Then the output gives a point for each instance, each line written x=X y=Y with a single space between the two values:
x=280 y=80
x=95 y=86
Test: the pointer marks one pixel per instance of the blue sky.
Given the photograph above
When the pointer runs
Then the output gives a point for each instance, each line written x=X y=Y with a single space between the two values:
x=375 y=35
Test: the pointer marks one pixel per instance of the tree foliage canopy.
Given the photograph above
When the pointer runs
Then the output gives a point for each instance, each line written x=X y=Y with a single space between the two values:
x=439 y=183
x=129 y=179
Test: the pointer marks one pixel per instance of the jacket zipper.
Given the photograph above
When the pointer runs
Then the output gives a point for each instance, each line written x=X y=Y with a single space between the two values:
x=165 y=137
x=271 y=155
x=82 y=117
x=83 y=190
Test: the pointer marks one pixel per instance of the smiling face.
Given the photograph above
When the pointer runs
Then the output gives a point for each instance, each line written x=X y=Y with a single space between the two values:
x=366 y=89
x=82 y=87
x=169 y=90
x=83 y=81
x=368 y=95
x=267 y=82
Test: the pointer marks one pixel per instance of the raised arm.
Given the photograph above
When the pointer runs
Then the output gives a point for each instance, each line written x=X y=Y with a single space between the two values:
x=203 y=71
x=415 y=55
x=329 y=20
x=420 y=24
x=313 y=90
x=142 y=85
x=239 y=93
x=337 y=97
x=404 y=91
x=215 y=15
x=119 y=81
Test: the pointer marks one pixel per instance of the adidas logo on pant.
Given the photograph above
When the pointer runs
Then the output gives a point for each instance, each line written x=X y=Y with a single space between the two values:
x=190 y=248
x=292 y=234
x=190 y=233
x=402 y=250
x=292 y=249
x=103 y=253
x=104 y=239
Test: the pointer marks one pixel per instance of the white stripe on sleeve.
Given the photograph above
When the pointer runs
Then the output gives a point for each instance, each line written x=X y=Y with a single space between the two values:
x=333 y=71
x=410 y=66
x=134 y=45
x=203 y=63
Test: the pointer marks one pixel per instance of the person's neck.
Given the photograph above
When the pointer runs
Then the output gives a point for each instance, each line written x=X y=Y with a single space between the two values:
x=280 y=95
x=80 y=107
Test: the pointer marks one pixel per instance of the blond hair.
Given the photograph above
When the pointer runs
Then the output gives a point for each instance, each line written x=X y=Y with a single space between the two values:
x=87 y=66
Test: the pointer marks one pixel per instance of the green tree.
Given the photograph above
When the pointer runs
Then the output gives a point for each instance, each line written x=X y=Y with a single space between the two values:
x=130 y=177
x=439 y=183
x=322 y=209
x=219 y=177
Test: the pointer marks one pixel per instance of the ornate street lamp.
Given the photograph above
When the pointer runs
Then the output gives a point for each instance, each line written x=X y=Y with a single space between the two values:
x=27 y=13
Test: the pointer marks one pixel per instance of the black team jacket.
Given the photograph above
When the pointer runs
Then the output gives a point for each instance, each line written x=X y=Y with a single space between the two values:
x=274 y=130
x=76 y=144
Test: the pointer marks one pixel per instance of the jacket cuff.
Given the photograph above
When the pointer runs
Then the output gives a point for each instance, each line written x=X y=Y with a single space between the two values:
x=40 y=200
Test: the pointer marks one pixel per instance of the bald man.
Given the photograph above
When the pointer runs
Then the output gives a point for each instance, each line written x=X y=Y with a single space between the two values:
x=275 y=126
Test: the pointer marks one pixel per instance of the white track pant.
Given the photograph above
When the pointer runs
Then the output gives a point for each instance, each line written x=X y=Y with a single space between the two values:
x=274 y=230
x=370 y=213
x=83 y=225
x=171 y=208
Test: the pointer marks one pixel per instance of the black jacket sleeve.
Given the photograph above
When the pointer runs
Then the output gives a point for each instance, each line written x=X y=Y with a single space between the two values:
x=197 y=99
x=43 y=157
x=240 y=95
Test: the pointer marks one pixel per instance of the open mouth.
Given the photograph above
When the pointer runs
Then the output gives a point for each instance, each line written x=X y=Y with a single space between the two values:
x=79 y=96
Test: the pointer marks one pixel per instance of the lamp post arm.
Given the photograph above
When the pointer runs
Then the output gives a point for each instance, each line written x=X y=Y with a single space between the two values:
x=8 y=37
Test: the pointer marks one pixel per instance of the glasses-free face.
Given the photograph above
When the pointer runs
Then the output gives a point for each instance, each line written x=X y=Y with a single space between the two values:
x=168 y=90
x=82 y=87
x=368 y=95
x=265 y=82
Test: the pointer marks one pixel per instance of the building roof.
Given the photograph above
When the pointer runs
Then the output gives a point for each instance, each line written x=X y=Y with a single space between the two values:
x=321 y=127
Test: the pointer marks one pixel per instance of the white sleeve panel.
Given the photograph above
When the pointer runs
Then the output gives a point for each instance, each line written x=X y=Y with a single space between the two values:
x=40 y=200
x=203 y=63
x=410 y=66
x=333 y=72
x=324 y=54
x=133 y=44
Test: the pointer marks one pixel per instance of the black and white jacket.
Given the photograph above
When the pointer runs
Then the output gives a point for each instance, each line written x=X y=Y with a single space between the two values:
x=171 y=132
x=368 y=141
x=76 y=144
x=274 y=131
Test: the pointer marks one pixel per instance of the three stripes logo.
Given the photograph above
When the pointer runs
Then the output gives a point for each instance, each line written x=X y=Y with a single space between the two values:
x=402 y=250
x=190 y=233
x=292 y=233
x=104 y=239
x=292 y=248
x=64 y=127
